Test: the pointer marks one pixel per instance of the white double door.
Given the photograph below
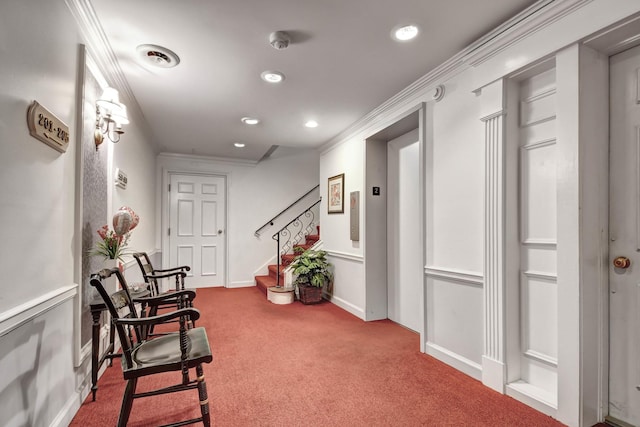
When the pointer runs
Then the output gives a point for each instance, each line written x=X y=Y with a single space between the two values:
x=197 y=228
x=624 y=230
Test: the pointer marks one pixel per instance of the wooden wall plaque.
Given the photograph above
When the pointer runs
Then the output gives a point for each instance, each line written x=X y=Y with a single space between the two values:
x=46 y=127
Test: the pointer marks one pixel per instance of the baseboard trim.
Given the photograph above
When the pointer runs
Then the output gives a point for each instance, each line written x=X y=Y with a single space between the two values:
x=493 y=374
x=614 y=422
x=23 y=313
x=71 y=408
x=346 y=306
x=531 y=396
x=461 y=363
x=245 y=284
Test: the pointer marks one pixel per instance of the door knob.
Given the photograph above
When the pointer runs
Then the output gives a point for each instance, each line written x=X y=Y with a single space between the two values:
x=621 y=262
x=219 y=231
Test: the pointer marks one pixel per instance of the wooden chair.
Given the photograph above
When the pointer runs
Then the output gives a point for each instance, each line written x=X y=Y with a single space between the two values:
x=178 y=351
x=151 y=277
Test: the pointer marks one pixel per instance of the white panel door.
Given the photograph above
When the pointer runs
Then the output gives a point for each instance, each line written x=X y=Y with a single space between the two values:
x=197 y=227
x=624 y=227
x=404 y=252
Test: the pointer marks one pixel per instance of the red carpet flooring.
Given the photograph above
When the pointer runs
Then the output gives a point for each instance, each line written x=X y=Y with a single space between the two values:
x=297 y=365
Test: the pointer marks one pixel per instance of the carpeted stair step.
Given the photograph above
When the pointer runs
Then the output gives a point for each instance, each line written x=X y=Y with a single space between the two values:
x=273 y=272
x=304 y=246
x=287 y=259
x=270 y=280
x=312 y=238
x=265 y=282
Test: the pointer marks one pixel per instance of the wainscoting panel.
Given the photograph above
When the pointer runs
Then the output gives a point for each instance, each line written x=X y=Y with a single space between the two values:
x=348 y=282
x=36 y=357
x=454 y=317
x=538 y=217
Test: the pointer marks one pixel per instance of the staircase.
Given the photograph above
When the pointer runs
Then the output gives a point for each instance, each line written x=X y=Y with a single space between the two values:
x=268 y=281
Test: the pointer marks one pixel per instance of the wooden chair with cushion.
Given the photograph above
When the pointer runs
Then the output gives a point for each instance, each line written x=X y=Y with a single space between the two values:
x=178 y=351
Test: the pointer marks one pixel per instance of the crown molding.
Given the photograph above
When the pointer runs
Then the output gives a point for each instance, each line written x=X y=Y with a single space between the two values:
x=532 y=19
x=98 y=44
x=195 y=157
x=102 y=54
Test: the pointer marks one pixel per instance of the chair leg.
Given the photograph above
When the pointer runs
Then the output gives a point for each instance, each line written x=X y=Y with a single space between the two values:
x=204 y=399
x=127 y=402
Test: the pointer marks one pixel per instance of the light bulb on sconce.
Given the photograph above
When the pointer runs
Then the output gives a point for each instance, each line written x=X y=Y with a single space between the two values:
x=111 y=114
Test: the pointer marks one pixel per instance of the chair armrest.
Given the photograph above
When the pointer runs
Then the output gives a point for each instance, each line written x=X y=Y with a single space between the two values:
x=164 y=276
x=188 y=293
x=183 y=267
x=191 y=313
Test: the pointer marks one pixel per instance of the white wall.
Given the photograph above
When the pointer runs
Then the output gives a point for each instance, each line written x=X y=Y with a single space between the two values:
x=37 y=212
x=344 y=254
x=135 y=155
x=37 y=215
x=455 y=183
x=39 y=385
x=463 y=318
x=457 y=180
x=256 y=193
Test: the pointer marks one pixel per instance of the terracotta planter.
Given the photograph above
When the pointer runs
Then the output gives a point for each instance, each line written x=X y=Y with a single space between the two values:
x=310 y=294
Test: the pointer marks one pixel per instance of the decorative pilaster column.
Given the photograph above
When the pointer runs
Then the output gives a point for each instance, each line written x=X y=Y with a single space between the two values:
x=493 y=359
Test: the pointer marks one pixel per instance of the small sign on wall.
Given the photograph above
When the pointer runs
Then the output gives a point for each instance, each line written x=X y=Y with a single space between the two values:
x=46 y=127
x=121 y=179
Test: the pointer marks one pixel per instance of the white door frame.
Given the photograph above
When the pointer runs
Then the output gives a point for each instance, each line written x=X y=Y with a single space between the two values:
x=375 y=216
x=166 y=212
x=605 y=43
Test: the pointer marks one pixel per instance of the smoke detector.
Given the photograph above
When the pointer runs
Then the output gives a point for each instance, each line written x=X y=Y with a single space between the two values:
x=279 y=40
x=157 y=56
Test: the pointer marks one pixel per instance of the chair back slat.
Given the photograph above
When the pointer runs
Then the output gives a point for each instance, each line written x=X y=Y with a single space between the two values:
x=120 y=299
x=144 y=262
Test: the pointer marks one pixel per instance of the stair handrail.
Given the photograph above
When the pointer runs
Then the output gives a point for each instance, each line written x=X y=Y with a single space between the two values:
x=270 y=222
x=276 y=237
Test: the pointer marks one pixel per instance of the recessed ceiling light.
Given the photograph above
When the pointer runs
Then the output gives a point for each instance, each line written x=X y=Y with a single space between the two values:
x=311 y=124
x=250 y=121
x=405 y=33
x=272 y=76
x=157 y=56
x=239 y=145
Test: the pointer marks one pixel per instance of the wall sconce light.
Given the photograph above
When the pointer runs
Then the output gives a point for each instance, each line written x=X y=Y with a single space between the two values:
x=110 y=116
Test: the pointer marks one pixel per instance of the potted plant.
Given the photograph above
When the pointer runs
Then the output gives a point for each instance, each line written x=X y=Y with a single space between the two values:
x=313 y=272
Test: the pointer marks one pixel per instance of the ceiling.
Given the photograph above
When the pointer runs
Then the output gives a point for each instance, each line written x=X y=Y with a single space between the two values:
x=341 y=64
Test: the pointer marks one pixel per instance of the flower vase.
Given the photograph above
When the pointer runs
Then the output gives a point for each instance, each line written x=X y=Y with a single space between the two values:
x=110 y=283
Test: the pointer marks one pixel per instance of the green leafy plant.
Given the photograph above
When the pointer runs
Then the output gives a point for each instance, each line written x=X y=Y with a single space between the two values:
x=312 y=268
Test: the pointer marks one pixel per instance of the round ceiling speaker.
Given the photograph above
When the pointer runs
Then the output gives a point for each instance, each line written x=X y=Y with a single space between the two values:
x=157 y=56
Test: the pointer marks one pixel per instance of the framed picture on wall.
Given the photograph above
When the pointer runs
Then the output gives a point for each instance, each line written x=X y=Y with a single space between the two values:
x=336 y=194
